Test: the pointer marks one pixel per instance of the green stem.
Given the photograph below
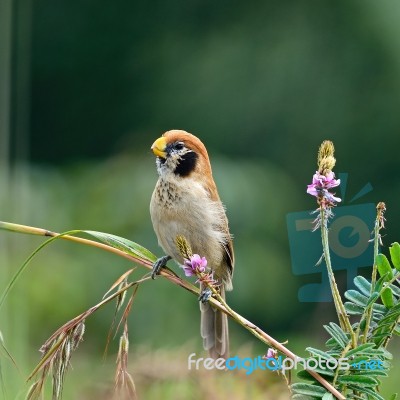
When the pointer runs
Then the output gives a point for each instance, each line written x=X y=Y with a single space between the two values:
x=342 y=355
x=339 y=306
x=374 y=273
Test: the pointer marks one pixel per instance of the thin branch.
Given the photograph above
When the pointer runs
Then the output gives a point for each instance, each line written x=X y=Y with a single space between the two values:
x=169 y=275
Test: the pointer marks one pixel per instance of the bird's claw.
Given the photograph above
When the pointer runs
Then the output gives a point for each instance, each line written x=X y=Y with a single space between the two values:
x=160 y=263
x=205 y=295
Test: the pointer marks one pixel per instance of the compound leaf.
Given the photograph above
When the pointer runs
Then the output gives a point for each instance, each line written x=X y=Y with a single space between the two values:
x=395 y=254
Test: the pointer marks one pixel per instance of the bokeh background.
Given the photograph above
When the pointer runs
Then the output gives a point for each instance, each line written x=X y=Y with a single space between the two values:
x=86 y=87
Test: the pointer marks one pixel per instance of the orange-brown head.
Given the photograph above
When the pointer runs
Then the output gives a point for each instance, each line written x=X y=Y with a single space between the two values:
x=185 y=155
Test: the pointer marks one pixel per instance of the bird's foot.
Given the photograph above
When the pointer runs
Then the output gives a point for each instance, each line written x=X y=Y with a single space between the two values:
x=160 y=263
x=205 y=295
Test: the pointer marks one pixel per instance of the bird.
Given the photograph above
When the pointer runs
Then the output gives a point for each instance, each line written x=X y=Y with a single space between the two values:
x=185 y=202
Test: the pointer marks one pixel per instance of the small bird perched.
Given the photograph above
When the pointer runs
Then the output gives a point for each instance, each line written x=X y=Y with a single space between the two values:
x=185 y=202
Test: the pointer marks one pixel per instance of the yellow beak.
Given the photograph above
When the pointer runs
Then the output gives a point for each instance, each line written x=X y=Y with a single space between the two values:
x=159 y=147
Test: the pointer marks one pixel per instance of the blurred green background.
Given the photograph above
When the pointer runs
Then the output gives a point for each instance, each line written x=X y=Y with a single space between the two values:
x=85 y=88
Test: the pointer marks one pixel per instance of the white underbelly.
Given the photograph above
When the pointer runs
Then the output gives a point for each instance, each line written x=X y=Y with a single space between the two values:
x=193 y=215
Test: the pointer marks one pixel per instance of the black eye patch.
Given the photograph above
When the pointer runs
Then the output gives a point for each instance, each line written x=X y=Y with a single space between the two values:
x=187 y=163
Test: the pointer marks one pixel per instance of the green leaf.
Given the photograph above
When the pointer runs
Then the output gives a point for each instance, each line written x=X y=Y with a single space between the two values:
x=395 y=310
x=379 y=308
x=125 y=245
x=319 y=353
x=395 y=289
x=376 y=317
x=389 y=318
x=381 y=337
x=363 y=285
x=371 y=393
x=379 y=283
x=393 y=396
x=134 y=249
x=382 y=352
x=328 y=374
x=328 y=396
x=308 y=390
x=358 y=359
x=386 y=325
x=363 y=324
x=359 y=380
x=372 y=372
x=331 y=342
x=337 y=334
x=373 y=298
x=384 y=267
x=395 y=255
x=339 y=331
x=356 y=297
x=363 y=349
x=353 y=309
x=387 y=297
x=386 y=320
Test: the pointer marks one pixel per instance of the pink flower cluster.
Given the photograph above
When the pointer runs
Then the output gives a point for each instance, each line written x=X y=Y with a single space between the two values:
x=195 y=265
x=320 y=187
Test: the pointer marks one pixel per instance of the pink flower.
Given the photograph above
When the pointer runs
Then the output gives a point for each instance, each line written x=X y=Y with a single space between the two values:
x=321 y=184
x=195 y=265
x=271 y=353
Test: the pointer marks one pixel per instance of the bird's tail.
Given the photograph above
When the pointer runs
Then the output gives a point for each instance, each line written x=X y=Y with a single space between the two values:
x=214 y=330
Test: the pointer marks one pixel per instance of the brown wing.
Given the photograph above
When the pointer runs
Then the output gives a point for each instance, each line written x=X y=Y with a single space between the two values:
x=229 y=256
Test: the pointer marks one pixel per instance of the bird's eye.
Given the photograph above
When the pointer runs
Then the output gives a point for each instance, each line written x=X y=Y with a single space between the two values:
x=178 y=146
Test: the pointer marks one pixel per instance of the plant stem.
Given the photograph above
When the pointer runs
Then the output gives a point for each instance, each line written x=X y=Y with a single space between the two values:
x=339 y=306
x=377 y=228
x=342 y=355
x=169 y=275
x=30 y=230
